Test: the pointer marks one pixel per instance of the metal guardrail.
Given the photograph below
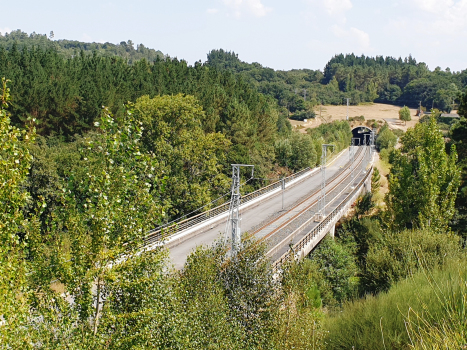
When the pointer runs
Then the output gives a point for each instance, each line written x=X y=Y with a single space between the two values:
x=165 y=231
x=315 y=231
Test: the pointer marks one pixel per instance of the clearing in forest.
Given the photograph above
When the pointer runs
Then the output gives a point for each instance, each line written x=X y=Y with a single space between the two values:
x=377 y=111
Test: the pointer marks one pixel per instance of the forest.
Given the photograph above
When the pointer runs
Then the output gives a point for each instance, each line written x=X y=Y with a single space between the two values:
x=362 y=79
x=71 y=48
x=96 y=150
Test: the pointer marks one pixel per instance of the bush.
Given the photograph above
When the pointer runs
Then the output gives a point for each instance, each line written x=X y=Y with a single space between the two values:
x=302 y=115
x=398 y=132
x=296 y=151
x=337 y=271
x=357 y=119
x=404 y=114
x=386 y=139
x=430 y=304
x=384 y=154
x=300 y=316
x=396 y=255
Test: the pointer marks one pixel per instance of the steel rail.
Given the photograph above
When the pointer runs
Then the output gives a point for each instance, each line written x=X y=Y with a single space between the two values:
x=315 y=231
x=336 y=188
x=308 y=207
x=164 y=232
x=331 y=180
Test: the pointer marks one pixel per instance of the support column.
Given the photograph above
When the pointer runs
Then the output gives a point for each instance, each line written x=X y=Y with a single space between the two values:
x=332 y=231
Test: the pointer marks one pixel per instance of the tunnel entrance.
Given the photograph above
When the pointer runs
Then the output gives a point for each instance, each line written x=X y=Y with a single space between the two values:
x=359 y=132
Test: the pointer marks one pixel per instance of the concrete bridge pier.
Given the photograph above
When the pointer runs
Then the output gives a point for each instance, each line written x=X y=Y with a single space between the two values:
x=332 y=231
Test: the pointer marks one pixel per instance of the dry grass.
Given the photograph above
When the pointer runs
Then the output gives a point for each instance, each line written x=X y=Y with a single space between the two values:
x=383 y=168
x=376 y=111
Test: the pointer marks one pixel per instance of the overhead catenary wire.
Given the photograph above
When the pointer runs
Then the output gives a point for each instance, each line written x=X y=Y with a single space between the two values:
x=200 y=208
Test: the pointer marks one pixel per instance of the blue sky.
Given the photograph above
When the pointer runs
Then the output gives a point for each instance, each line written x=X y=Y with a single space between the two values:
x=278 y=34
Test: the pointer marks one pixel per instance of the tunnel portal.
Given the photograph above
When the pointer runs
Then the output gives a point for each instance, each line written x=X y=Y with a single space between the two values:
x=359 y=132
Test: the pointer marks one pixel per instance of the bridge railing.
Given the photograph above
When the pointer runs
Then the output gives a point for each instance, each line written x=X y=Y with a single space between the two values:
x=322 y=225
x=170 y=229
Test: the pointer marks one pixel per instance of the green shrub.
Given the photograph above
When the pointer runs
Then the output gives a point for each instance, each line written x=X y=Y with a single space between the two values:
x=357 y=119
x=404 y=114
x=385 y=139
x=337 y=279
x=396 y=255
x=300 y=316
x=429 y=305
x=398 y=132
x=384 y=154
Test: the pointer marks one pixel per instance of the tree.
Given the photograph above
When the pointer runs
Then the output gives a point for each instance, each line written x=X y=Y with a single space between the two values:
x=463 y=105
x=386 y=138
x=423 y=180
x=296 y=151
x=103 y=215
x=191 y=158
x=404 y=114
x=14 y=166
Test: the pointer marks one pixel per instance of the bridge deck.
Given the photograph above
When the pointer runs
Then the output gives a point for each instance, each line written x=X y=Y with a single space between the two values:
x=266 y=211
x=290 y=234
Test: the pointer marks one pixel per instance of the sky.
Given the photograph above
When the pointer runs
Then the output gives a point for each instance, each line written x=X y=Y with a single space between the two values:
x=278 y=34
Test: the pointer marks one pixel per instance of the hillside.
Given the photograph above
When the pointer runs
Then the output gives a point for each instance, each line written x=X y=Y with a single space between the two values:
x=362 y=79
x=71 y=48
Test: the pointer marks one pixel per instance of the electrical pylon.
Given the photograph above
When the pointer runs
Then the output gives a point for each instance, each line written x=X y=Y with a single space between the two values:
x=234 y=212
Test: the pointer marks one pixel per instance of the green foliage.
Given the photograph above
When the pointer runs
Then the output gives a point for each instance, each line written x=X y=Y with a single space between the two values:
x=101 y=216
x=428 y=307
x=385 y=138
x=192 y=159
x=302 y=115
x=458 y=136
x=463 y=104
x=14 y=166
x=337 y=271
x=384 y=154
x=396 y=255
x=337 y=133
x=299 y=317
x=357 y=119
x=296 y=151
x=363 y=79
x=375 y=181
x=441 y=324
x=423 y=181
x=70 y=48
x=404 y=114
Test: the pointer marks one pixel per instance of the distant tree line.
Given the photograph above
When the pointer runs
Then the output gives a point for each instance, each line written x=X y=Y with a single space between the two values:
x=360 y=78
x=71 y=48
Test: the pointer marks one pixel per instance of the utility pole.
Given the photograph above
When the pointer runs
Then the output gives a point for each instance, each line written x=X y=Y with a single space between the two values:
x=348 y=99
x=234 y=212
x=304 y=94
x=322 y=199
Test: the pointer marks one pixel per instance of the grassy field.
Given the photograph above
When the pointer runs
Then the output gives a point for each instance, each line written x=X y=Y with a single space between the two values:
x=376 y=111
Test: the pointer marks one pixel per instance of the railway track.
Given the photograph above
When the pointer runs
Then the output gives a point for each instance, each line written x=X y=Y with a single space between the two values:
x=301 y=212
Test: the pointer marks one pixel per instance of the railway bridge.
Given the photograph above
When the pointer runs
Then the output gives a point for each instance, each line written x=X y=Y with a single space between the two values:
x=288 y=215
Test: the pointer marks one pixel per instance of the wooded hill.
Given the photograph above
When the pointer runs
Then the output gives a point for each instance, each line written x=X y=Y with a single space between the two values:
x=360 y=78
x=71 y=48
